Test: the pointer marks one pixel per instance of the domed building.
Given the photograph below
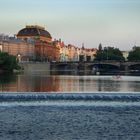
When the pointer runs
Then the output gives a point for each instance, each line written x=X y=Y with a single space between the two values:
x=34 y=32
x=45 y=50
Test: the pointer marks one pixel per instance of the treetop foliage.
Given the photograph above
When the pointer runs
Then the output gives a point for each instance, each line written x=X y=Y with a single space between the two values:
x=134 y=55
x=109 y=53
x=7 y=62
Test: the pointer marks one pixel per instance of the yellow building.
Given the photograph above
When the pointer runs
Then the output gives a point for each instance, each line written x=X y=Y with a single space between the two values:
x=24 y=51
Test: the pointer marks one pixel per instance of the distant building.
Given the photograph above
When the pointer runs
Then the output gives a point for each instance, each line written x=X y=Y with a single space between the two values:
x=72 y=53
x=45 y=49
x=87 y=54
x=35 y=32
x=23 y=50
x=62 y=50
x=125 y=54
x=35 y=43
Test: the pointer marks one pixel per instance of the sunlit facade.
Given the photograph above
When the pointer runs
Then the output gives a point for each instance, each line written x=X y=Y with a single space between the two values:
x=23 y=50
x=45 y=49
x=34 y=43
x=72 y=53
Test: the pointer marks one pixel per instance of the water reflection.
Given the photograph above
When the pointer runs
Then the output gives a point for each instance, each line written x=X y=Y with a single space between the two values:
x=27 y=83
x=64 y=83
x=7 y=81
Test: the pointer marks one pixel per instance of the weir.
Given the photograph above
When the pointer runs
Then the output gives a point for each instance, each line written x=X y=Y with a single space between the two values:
x=57 y=116
x=52 y=96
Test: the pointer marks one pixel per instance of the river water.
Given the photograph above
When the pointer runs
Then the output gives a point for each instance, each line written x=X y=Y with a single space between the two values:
x=68 y=83
x=86 y=108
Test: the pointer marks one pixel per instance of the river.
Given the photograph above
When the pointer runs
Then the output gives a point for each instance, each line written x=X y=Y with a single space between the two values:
x=68 y=83
x=86 y=108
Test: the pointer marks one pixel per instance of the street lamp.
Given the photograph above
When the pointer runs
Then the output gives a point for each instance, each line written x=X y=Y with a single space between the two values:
x=19 y=57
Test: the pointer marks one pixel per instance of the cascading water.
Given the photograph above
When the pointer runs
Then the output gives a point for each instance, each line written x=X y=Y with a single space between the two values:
x=68 y=116
x=41 y=96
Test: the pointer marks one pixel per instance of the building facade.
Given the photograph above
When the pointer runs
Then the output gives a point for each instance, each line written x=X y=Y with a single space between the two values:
x=34 y=43
x=125 y=54
x=72 y=53
x=23 y=50
x=45 y=48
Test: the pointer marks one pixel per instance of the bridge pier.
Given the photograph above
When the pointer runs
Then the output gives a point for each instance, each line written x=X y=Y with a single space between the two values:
x=64 y=68
x=126 y=69
x=81 y=68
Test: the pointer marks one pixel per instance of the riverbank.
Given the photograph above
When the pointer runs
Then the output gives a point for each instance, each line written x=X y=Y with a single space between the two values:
x=35 y=67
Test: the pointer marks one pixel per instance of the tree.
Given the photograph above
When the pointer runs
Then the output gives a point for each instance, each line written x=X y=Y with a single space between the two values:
x=134 y=55
x=109 y=53
x=100 y=47
x=7 y=62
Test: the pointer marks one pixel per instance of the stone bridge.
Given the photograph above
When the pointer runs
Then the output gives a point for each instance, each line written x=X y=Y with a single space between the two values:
x=114 y=63
x=88 y=66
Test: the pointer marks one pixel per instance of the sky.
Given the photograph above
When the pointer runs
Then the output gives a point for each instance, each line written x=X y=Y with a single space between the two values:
x=110 y=22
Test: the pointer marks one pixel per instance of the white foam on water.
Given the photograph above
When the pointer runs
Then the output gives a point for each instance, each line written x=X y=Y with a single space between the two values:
x=70 y=103
x=70 y=99
x=69 y=96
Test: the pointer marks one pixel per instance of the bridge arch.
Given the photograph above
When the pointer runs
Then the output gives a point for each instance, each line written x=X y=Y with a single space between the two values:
x=103 y=65
x=134 y=67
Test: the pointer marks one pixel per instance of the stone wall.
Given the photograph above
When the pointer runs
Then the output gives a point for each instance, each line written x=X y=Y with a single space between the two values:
x=36 y=67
